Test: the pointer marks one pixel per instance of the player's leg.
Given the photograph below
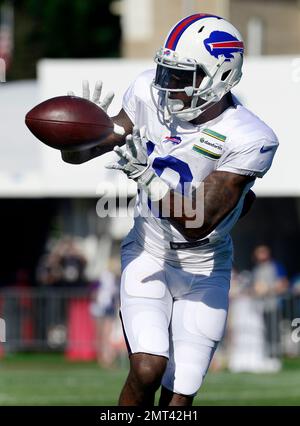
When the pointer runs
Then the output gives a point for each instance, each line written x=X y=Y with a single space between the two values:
x=198 y=323
x=146 y=306
x=169 y=398
x=143 y=380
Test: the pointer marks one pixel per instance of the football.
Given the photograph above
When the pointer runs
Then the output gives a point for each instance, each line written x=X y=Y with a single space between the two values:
x=69 y=123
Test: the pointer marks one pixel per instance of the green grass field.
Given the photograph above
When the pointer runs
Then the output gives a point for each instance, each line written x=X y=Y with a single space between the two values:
x=49 y=380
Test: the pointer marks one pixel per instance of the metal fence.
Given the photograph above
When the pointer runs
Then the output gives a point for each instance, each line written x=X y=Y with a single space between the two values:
x=55 y=319
x=260 y=331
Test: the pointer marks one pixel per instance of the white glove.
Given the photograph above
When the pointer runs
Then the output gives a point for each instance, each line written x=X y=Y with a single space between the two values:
x=96 y=95
x=134 y=162
x=133 y=157
x=104 y=104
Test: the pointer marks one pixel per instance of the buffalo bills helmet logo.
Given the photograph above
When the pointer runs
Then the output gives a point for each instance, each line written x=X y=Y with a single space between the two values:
x=222 y=43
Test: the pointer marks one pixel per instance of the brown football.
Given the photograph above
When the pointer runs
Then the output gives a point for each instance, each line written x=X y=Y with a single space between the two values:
x=69 y=122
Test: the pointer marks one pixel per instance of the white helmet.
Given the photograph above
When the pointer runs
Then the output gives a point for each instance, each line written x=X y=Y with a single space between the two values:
x=199 y=44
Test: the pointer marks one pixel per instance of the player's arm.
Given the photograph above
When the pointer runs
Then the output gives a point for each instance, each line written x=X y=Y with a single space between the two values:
x=208 y=206
x=195 y=217
x=121 y=121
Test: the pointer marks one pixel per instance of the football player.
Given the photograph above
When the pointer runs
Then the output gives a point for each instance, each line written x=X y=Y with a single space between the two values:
x=191 y=144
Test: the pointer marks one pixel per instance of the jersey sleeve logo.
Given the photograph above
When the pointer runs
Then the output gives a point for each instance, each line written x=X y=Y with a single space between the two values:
x=210 y=144
x=222 y=43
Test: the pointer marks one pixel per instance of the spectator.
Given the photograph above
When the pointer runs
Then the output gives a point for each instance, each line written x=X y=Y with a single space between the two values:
x=270 y=286
x=104 y=308
x=63 y=266
x=72 y=262
x=247 y=347
x=269 y=275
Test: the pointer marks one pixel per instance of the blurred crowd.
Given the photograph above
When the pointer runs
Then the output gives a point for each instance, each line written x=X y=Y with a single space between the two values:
x=77 y=308
x=63 y=265
x=263 y=303
x=259 y=315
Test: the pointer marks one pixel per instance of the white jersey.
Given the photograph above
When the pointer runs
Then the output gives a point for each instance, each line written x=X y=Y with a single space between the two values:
x=236 y=141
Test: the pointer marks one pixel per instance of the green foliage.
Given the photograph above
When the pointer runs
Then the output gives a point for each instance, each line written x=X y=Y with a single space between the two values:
x=75 y=28
x=63 y=29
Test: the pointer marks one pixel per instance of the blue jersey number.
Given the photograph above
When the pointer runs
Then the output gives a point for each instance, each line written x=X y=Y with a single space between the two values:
x=169 y=162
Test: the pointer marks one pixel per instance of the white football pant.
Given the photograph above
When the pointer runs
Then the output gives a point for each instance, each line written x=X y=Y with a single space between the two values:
x=172 y=313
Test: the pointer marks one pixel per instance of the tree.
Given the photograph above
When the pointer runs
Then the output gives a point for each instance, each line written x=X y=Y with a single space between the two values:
x=62 y=29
